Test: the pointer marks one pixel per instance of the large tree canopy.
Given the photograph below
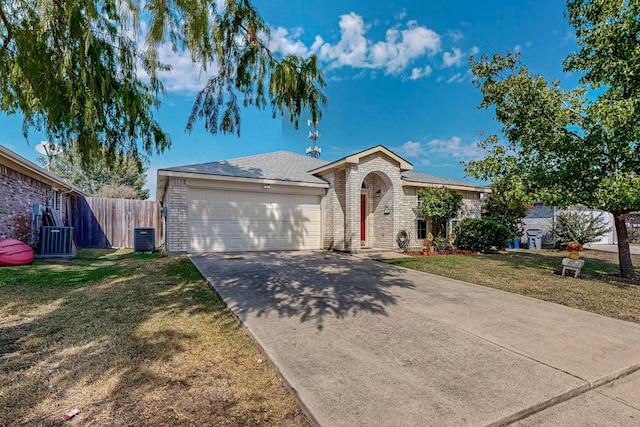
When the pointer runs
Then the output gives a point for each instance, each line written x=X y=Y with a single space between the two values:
x=579 y=146
x=71 y=67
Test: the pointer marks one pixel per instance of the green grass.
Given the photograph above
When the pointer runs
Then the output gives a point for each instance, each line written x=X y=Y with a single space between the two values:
x=130 y=340
x=537 y=274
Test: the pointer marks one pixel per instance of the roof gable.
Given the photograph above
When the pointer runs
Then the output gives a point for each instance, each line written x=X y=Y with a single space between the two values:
x=355 y=159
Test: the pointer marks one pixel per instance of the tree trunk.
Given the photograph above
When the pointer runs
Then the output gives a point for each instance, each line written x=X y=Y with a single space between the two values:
x=624 y=254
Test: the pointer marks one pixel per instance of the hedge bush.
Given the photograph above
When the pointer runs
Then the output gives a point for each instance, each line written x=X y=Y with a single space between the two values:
x=482 y=235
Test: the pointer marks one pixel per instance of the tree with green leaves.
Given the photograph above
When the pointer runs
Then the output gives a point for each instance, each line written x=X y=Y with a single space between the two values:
x=579 y=146
x=507 y=209
x=71 y=68
x=438 y=205
x=124 y=178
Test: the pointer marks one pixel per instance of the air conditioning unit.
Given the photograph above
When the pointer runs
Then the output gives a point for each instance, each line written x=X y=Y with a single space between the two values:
x=144 y=239
x=56 y=240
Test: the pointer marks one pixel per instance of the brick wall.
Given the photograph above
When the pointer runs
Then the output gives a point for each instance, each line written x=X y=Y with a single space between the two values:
x=333 y=208
x=176 y=199
x=342 y=220
x=382 y=178
x=19 y=193
x=410 y=216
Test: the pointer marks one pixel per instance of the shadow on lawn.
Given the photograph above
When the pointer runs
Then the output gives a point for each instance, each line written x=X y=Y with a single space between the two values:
x=595 y=264
x=94 y=335
x=311 y=287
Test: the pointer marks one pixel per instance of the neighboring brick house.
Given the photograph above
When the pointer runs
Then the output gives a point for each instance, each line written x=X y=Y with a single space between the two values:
x=283 y=200
x=23 y=184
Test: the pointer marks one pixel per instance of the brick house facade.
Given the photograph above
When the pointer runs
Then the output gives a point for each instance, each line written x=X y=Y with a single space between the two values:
x=369 y=201
x=362 y=200
x=23 y=184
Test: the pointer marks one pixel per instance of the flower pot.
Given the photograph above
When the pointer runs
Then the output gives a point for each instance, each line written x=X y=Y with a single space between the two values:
x=574 y=255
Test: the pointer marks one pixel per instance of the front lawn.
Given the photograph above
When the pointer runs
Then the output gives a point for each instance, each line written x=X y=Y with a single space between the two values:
x=129 y=340
x=537 y=274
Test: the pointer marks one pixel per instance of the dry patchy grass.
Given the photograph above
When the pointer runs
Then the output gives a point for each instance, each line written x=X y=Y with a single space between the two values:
x=537 y=274
x=129 y=340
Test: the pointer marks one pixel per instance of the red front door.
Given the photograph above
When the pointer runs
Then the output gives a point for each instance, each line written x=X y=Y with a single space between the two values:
x=363 y=217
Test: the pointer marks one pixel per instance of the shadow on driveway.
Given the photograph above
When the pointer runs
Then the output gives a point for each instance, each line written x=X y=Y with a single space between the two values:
x=311 y=286
x=365 y=343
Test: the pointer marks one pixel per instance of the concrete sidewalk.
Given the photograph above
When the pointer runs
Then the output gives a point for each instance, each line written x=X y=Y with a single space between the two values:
x=364 y=343
x=634 y=249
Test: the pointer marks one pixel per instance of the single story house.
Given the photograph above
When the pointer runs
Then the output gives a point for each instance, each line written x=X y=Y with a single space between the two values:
x=287 y=201
x=24 y=184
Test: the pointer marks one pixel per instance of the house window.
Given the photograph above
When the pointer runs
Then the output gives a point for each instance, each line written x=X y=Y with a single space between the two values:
x=422 y=229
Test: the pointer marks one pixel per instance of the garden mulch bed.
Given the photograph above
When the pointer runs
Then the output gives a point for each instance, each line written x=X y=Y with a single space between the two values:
x=611 y=277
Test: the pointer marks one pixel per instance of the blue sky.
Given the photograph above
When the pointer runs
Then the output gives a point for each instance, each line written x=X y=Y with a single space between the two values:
x=397 y=72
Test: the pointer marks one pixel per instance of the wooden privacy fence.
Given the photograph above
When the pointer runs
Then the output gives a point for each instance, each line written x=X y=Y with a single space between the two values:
x=109 y=223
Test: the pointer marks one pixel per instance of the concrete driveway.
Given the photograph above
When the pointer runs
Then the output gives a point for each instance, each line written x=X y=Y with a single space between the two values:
x=364 y=343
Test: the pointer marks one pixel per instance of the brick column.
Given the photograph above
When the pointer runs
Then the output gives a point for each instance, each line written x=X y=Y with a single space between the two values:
x=176 y=222
x=352 y=210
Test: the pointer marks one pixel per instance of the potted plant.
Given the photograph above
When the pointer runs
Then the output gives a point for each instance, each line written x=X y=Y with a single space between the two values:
x=428 y=242
x=574 y=249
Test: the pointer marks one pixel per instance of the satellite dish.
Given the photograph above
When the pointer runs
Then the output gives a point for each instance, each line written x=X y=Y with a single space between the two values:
x=48 y=149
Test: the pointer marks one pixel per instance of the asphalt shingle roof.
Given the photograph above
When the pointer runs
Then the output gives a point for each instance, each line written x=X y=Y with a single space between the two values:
x=290 y=167
x=279 y=166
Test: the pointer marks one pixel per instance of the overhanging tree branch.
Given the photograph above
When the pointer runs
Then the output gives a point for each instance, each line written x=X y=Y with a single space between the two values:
x=7 y=25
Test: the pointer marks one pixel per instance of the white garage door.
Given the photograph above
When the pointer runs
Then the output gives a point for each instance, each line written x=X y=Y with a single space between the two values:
x=225 y=221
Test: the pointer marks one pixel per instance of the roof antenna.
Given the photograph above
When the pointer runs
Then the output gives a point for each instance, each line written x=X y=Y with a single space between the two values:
x=313 y=151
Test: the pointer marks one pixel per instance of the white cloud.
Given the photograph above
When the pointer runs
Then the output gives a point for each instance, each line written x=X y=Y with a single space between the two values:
x=442 y=149
x=452 y=59
x=456 y=78
x=281 y=42
x=459 y=77
x=401 y=15
x=410 y=149
x=400 y=48
x=418 y=73
x=405 y=50
x=517 y=48
x=456 y=35
x=184 y=76
x=351 y=50
x=453 y=147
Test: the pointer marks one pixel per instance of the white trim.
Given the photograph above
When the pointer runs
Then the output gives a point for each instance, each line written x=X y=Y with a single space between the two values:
x=470 y=188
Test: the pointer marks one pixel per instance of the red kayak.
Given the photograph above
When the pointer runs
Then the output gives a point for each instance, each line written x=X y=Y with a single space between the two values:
x=14 y=252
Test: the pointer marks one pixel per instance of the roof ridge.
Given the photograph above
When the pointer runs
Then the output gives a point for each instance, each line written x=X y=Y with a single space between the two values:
x=253 y=156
